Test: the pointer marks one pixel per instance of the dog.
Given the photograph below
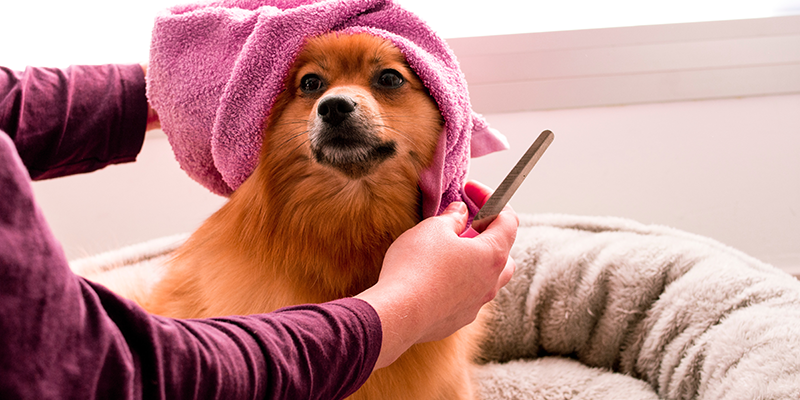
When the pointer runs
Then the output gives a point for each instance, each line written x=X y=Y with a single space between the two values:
x=336 y=184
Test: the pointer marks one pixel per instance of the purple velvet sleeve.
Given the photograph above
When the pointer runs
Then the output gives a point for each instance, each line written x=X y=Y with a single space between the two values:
x=63 y=337
x=73 y=120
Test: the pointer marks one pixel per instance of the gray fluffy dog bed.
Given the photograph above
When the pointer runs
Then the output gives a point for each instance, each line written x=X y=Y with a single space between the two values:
x=607 y=308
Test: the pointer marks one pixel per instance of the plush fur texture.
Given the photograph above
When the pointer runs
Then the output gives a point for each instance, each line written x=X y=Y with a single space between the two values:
x=690 y=317
x=337 y=182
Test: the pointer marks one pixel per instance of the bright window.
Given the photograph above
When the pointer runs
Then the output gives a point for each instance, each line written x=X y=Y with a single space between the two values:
x=466 y=18
x=58 y=33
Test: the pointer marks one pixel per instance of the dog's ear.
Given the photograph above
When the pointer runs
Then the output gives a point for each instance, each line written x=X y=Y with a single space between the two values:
x=283 y=99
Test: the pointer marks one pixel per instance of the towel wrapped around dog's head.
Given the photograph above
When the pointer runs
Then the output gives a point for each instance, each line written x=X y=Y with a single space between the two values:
x=216 y=69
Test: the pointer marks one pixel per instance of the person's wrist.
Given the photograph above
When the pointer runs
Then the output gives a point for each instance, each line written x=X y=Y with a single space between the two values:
x=153 y=122
x=152 y=119
x=399 y=317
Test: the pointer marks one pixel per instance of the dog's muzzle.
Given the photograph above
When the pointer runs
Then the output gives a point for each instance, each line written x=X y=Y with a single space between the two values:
x=344 y=137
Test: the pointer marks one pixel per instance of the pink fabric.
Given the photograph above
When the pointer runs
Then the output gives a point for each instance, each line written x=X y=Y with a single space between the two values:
x=216 y=69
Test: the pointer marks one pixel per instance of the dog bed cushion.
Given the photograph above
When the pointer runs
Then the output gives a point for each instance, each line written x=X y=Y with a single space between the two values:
x=608 y=308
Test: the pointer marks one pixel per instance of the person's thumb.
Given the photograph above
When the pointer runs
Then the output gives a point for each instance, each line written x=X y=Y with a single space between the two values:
x=456 y=216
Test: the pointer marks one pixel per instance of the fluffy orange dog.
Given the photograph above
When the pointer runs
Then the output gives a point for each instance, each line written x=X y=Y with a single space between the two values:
x=336 y=184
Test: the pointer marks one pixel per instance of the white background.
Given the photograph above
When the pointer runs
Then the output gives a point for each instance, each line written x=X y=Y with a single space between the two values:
x=58 y=33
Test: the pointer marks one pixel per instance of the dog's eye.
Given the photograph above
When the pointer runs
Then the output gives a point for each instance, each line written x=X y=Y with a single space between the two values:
x=311 y=83
x=390 y=79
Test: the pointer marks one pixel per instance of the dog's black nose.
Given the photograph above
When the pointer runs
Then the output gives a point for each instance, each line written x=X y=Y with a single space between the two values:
x=335 y=108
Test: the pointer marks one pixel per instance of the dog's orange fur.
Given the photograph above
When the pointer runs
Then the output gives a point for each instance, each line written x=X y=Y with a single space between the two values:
x=298 y=231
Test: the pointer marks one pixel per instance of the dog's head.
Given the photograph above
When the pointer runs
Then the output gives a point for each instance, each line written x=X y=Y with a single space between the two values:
x=353 y=107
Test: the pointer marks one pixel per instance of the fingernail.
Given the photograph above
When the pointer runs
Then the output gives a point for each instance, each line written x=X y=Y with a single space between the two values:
x=456 y=207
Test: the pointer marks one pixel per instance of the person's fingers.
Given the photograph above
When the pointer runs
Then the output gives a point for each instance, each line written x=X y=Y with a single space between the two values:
x=502 y=231
x=456 y=215
x=507 y=273
x=500 y=235
x=505 y=276
x=478 y=192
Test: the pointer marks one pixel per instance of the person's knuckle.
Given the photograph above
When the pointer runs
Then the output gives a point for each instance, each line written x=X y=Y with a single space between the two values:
x=499 y=258
x=490 y=296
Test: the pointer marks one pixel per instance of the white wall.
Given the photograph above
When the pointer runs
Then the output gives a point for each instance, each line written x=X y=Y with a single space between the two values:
x=125 y=204
x=630 y=65
x=707 y=140
x=728 y=169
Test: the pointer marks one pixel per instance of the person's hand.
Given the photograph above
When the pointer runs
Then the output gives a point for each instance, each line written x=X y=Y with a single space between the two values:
x=434 y=282
x=152 y=116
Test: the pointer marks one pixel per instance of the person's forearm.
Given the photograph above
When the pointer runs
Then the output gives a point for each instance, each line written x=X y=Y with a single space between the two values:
x=324 y=351
x=74 y=120
x=64 y=337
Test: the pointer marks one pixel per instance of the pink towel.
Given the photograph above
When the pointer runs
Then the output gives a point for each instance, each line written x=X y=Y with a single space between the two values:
x=216 y=69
